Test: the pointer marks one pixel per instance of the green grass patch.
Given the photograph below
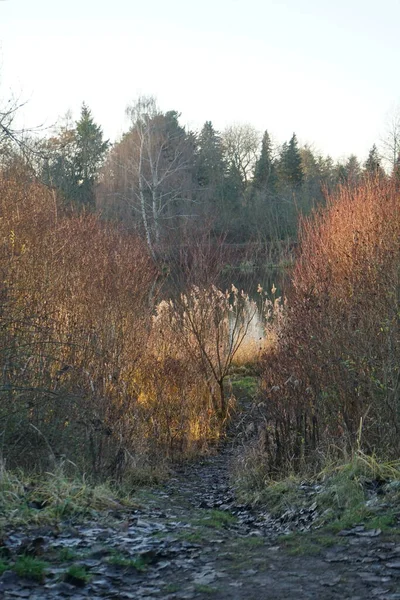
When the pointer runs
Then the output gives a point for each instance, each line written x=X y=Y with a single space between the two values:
x=171 y=588
x=195 y=537
x=30 y=568
x=77 y=575
x=4 y=566
x=252 y=542
x=384 y=522
x=245 y=386
x=139 y=563
x=279 y=496
x=205 y=589
x=216 y=519
x=307 y=544
x=69 y=554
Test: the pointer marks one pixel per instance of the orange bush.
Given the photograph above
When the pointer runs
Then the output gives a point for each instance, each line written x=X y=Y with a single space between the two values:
x=79 y=374
x=338 y=363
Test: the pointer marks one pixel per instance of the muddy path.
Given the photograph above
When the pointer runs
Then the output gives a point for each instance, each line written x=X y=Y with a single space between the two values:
x=190 y=539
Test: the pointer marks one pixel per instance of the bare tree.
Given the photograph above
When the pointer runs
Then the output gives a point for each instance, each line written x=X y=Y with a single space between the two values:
x=390 y=142
x=241 y=144
x=9 y=134
x=208 y=327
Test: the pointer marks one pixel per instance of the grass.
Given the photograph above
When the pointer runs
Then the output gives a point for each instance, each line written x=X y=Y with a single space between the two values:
x=216 y=519
x=341 y=491
x=30 y=568
x=205 y=589
x=68 y=554
x=50 y=497
x=4 y=566
x=192 y=536
x=344 y=493
x=120 y=560
x=307 y=544
x=77 y=575
x=171 y=588
x=277 y=496
x=252 y=542
x=245 y=386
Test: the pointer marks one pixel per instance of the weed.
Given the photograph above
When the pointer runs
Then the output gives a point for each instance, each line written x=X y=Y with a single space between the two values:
x=52 y=496
x=384 y=522
x=252 y=542
x=246 y=386
x=307 y=544
x=192 y=536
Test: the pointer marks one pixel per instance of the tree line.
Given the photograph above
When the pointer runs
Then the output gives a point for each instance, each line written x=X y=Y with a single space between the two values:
x=166 y=181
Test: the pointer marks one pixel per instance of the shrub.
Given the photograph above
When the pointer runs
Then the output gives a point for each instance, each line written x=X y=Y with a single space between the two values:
x=338 y=361
x=88 y=373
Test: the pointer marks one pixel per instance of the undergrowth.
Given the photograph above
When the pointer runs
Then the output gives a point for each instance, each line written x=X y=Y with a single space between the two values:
x=358 y=490
x=50 y=497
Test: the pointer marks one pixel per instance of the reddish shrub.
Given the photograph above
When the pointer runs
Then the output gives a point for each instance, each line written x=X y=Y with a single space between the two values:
x=338 y=363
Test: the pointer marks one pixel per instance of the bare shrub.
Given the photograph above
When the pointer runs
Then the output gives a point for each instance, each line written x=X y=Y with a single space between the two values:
x=339 y=354
x=73 y=318
x=87 y=371
x=205 y=327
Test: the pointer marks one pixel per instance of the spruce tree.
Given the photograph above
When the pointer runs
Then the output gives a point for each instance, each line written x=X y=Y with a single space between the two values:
x=210 y=165
x=265 y=173
x=89 y=153
x=372 y=166
x=290 y=169
x=73 y=158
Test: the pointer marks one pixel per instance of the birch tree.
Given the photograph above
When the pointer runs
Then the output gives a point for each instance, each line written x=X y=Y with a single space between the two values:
x=159 y=164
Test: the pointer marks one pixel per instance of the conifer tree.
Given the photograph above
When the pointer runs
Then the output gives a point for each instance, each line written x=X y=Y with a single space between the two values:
x=372 y=165
x=265 y=173
x=73 y=158
x=210 y=166
x=90 y=150
x=290 y=169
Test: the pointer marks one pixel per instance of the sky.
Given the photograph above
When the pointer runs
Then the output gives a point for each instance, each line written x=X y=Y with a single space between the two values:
x=326 y=70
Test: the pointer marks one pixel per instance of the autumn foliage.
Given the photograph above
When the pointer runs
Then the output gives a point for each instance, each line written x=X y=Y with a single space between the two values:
x=334 y=382
x=84 y=373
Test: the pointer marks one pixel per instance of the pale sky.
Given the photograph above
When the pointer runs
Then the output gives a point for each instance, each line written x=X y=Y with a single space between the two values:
x=325 y=69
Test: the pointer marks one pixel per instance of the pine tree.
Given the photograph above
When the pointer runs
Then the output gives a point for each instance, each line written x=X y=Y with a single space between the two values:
x=352 y=170
x=265 y=173
x=372 y=166
x=210 y=165
x=290 y=169
x=74 y=156
x=89 y=154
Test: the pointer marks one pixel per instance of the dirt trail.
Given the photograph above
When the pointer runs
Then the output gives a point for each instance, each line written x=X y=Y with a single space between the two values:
x=189 y=539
